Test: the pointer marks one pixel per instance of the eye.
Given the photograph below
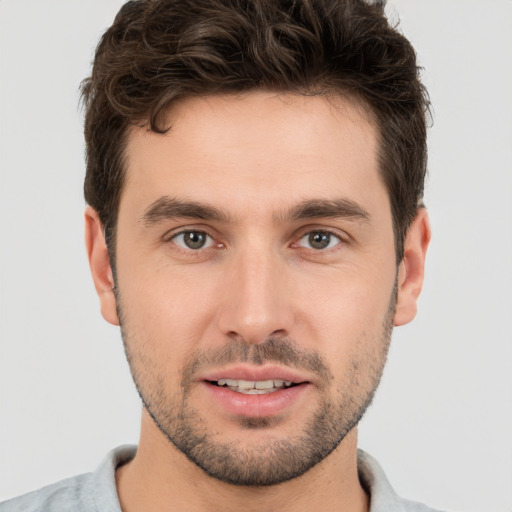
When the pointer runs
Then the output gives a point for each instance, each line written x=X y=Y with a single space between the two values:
x=193 y=240
x=319 y=240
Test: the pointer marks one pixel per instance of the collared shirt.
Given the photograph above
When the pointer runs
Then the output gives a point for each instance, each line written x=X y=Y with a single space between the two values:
x=96 y=492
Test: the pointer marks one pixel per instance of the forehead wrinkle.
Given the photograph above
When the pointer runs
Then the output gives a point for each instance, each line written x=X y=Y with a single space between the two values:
x=165 y=208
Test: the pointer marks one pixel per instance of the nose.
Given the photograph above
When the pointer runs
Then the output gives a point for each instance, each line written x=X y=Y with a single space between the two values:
x=256 y=302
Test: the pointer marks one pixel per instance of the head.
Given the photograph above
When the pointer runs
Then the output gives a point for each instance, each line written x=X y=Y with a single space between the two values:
x=255 y=171
x=159 y=52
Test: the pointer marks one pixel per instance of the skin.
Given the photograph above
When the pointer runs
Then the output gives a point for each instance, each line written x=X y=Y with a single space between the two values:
x=256 y=157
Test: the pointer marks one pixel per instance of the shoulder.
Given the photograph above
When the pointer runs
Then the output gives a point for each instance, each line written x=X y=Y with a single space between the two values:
x=383 y=498
x=72 y=494
x=90 y=492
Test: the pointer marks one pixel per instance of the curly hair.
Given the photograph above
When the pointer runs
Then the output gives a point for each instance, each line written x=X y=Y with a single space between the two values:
x=158 y=52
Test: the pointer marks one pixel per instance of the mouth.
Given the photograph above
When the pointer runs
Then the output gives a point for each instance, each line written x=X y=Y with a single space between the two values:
x=256 y=392
x=254 y=387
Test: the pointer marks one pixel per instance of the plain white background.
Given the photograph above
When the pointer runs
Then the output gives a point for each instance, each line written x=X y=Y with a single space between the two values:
x=441 y=425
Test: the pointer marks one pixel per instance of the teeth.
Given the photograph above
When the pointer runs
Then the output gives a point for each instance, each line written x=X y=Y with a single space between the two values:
x=251 y=387
x=266 y=384
x=227 y=382
x=246 y=384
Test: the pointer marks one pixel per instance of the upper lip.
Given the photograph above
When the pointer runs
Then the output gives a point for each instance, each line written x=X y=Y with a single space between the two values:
x=255 y=373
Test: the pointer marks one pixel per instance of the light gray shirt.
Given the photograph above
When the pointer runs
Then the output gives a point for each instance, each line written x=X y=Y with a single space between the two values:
x=96 y=492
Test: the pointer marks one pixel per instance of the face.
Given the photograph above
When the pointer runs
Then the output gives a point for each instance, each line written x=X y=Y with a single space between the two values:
x=256 y=279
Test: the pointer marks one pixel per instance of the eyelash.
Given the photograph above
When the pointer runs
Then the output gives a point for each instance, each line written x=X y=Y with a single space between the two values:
x=323 y=232
x=340 y=240
x=172 y=238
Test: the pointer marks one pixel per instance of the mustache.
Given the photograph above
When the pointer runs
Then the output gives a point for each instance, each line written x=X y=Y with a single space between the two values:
x=274 y=350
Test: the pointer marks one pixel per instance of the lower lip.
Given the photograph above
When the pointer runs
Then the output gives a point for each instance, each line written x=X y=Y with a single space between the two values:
x=255 y=406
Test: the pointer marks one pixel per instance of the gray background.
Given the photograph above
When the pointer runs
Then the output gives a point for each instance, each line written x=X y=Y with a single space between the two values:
x=441 y=424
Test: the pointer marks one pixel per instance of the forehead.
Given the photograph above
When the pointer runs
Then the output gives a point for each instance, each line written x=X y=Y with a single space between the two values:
x=259 y=146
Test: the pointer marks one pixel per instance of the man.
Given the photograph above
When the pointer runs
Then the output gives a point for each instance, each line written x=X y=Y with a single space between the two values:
x=254 y=178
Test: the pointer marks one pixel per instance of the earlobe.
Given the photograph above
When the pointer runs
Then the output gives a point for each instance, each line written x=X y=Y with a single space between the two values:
x=412 y=268
x=99 y=263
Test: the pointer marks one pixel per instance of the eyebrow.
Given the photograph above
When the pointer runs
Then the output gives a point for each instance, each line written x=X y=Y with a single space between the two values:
x=328 y=208
x=166 y=208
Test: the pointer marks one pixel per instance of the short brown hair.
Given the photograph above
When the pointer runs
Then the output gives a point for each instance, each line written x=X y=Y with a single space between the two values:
x=160 y=51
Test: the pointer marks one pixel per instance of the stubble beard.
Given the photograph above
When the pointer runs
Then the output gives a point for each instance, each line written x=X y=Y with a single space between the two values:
x=276 y=460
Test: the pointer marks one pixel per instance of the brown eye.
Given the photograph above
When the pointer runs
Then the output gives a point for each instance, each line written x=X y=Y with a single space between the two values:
x=319 y=240
x=193 y=240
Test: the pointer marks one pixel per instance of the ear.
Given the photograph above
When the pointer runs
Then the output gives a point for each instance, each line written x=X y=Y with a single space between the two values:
x=99 y=263
x=412 y=268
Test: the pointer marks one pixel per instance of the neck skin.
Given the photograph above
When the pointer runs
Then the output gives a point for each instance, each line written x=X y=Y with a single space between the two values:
x=161 y=478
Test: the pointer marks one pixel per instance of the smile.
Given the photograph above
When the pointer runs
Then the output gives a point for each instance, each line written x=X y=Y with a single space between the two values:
x=254 y=387
x=245 y=390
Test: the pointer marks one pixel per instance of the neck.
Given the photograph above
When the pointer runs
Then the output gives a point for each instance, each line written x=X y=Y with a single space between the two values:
x=161 y=478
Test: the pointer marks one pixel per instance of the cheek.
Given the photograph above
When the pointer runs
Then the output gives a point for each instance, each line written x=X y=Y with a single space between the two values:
x=353 y=336
x=349 y=310
x=171 y=309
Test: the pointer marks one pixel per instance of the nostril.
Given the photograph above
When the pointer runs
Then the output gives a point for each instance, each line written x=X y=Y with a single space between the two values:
x=236 y=337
